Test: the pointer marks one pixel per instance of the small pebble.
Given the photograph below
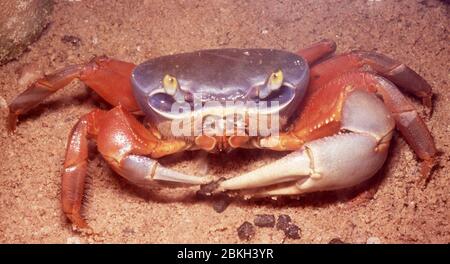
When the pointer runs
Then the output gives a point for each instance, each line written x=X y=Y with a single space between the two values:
x=75 y=41
x=283 y=222
x=265 y=220
x=293 y=232
x=336 y=241
x=373 y=240
x=246 y=231
x=221 y=202
x=207 y=189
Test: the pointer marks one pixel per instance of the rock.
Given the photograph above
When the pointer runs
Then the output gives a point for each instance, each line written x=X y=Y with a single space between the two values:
x=283 y=222
x=21 y=23
x=221 y=202
x=206 y=190
x=293 y=232
x=73 y=40
x=265 y=220
x=246 y=231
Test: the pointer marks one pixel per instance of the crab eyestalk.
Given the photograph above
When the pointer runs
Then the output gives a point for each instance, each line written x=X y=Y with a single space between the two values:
x=172 y=87
x=273 y=83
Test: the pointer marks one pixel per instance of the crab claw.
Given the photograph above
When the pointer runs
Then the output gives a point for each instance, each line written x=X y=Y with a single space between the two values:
x=329 y=163
x=143 y=171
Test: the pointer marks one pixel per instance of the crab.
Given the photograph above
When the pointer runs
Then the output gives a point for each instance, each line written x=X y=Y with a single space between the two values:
x=335 y=114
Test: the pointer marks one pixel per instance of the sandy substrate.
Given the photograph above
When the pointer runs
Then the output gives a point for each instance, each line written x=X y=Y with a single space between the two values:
x=414 y=32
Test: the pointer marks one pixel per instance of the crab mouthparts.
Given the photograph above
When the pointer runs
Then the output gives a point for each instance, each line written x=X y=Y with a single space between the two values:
x=222 y=121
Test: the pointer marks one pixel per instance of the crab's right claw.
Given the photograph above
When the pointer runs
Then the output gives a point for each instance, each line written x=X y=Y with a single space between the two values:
x=328 y=163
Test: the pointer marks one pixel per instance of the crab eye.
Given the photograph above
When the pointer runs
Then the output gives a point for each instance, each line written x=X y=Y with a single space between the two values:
x=161 y=101
x=273 y=83
x=276 y=80
x=170 y=84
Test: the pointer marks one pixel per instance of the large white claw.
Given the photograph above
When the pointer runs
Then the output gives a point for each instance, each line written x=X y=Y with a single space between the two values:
x=327 y=164
x=330 y=163
x=342 y=161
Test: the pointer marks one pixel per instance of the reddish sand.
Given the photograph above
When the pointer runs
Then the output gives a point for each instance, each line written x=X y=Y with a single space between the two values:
x=414 y=32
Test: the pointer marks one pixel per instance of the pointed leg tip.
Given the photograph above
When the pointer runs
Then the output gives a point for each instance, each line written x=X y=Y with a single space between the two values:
x=428 y=102
x=78 y=223
x=426 y=171
x=85 y=230
x=11 y=123
x=331 y=44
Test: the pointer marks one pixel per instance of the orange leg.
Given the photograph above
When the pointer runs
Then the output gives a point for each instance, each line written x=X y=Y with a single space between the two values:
x=320 y=117
x=398 y=73
x=75 y=166
x=109 y=78
x=322 y=113
x=318 y=51
x=407 y=120
x=126 y=145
